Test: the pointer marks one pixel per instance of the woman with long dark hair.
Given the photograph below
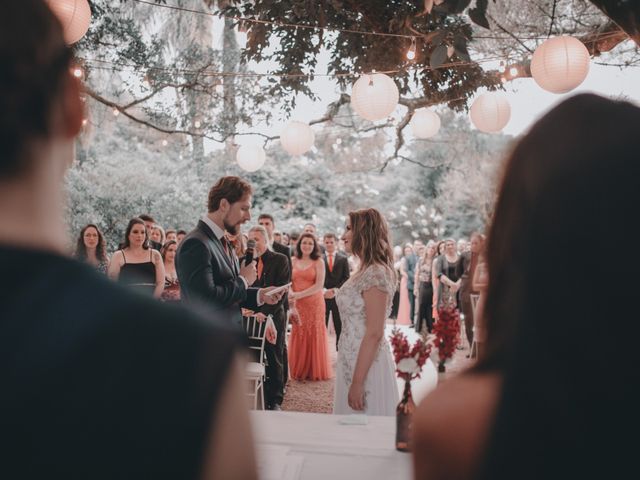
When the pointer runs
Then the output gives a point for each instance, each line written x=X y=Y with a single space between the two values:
x=308 y=347
x=171 y=292
x=556 y=393
x=90 y=248
x=136 y=265
x=365 y=374
x=424 y=288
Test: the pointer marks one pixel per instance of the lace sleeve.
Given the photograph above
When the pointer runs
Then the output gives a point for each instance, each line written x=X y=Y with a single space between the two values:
x=378 y=277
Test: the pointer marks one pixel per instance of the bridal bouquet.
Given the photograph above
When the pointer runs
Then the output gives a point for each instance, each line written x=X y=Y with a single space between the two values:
x=409 y=359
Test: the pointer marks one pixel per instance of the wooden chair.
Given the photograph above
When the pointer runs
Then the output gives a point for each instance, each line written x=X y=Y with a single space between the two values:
x=255 y=371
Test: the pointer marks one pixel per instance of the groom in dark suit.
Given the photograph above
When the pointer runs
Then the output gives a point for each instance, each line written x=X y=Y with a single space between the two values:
x=208 y=268
x=336 y=272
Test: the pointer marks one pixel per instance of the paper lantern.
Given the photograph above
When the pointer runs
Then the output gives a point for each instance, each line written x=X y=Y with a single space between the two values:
x=425 y=123
x=297 y=138
x=490 y=112
x=250 y=157
x=75 y=17
x=560 y=64
x=374 y=96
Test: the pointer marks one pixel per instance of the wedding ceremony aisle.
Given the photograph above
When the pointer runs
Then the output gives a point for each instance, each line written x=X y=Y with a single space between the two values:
x=317 y=397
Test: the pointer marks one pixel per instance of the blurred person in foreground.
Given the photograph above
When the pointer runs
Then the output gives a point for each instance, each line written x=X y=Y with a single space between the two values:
x=97 y=382
x=556 y=393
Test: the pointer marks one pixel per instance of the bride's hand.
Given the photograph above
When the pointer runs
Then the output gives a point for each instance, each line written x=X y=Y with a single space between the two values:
x=356 y=396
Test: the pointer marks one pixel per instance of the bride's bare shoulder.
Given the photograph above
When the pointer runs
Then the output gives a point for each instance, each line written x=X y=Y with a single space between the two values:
x=452 y=424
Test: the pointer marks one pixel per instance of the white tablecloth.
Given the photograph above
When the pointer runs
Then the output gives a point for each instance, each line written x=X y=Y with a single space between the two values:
x=292 y=445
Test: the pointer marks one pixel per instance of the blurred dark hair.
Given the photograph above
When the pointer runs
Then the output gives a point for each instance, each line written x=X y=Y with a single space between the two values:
x=315 y=254
x=166 y=246
x=267 y=216
x=132 y=222
x=81 y=248
x=146 y=218
x=233 y=189
x=558 y=313
x=34 y=67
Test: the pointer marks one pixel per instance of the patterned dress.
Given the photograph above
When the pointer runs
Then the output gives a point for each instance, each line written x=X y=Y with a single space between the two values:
x=308 y=345
x=381 y=390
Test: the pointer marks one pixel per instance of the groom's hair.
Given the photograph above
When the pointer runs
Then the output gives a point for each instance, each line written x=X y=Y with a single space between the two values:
x=231 y=188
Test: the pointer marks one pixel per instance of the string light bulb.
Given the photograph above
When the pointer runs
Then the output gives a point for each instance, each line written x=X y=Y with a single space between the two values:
x=77 y=72
x=513 y=71
x=197 y=124
x=116 y=112
x=411 y=53
x=501 y=68
x=164 y=143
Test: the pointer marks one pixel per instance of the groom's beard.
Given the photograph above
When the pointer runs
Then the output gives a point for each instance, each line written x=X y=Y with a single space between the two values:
x=232 y=229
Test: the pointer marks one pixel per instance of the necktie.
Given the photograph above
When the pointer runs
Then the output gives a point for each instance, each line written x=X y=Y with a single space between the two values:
x=259 y=268
x=331 y=262
x=225 y=244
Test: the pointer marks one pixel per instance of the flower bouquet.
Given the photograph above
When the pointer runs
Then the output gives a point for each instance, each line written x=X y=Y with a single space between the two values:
x=447 y=330
x=409 y=362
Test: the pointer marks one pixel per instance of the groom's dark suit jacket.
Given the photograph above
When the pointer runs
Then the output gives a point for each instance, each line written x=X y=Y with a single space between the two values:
x=208 y=275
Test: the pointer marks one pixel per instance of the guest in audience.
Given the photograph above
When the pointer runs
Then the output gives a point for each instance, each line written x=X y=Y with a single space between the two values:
x=408 y=266
x=535 y=406
x=308 y=349
x=397 y=261
x=150 y=224
x=171 y=235
x=158 y=236
x=180 y=234
x=424 y=288
x=480 y=285
x=277 y=237
x=136 y=265
x=462 y=246
x=90 y=248
x=435 y=281
x=272 y=271
x=96 y=382
x=293 y=241
x=448 y=275
x=285 y=239
x=267 y=221
x=336 y=273
x=171 y=292
x=310 y=228
x=466 y=270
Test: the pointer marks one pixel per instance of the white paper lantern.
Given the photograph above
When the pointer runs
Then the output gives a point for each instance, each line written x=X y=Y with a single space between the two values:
x=425 y=123
x=374 y=96
x=490 y=112
x=250 y=157
x=560 y=64
x=75 y=16
x=297 y=138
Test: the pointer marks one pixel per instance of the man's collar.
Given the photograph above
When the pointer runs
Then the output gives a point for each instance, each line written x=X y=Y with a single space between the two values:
x=217 y=231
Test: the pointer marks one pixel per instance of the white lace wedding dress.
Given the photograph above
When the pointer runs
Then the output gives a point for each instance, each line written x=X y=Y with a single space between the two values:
x=381 y=391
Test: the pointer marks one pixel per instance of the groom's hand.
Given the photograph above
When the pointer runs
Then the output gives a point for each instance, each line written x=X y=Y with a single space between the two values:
x=249 y=273
x=270 y=299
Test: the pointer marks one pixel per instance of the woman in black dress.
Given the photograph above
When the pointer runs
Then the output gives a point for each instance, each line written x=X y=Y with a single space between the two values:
x=424 y=288
x=136 y=265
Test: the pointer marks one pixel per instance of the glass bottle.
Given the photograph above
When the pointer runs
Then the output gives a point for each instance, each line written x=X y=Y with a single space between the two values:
x=404 y=419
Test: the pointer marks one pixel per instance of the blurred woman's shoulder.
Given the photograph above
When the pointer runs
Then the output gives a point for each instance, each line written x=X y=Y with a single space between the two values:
x=452 y=426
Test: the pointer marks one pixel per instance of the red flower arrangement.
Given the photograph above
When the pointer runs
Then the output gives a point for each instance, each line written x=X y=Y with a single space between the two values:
x=409 y=360
x=447 y=330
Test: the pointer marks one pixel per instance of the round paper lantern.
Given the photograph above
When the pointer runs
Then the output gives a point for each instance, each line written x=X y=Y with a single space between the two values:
x=425 y=123
x=490 y=112
x=250 y=157
x=297 y=138
x=374 y=96
x=560 y=64
x=75 y=16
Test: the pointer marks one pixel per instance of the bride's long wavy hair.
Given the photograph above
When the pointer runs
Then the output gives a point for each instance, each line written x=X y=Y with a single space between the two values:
x=370 y=240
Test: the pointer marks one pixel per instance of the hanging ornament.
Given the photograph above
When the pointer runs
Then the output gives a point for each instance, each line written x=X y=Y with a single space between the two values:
x=374 y=96
x=490 y=112
x=75 y=17
x=560 y=64
x=250 y=157
x=297 y=138
x=425 y=123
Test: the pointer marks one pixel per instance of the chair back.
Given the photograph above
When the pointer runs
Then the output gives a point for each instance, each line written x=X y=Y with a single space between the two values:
x=256 y=334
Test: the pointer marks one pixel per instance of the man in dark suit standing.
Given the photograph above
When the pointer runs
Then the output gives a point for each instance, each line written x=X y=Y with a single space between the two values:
x=272 y=271
x=267 y=221
x=336 y=273
x=207 y=266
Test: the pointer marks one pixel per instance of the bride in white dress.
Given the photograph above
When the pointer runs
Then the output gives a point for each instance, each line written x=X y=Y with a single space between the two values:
x=365 y=374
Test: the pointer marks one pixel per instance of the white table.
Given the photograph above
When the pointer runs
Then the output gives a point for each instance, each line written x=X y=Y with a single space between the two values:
x=316 y=446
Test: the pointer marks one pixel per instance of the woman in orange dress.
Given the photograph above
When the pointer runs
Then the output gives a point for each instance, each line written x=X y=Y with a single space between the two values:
x=308 y=345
